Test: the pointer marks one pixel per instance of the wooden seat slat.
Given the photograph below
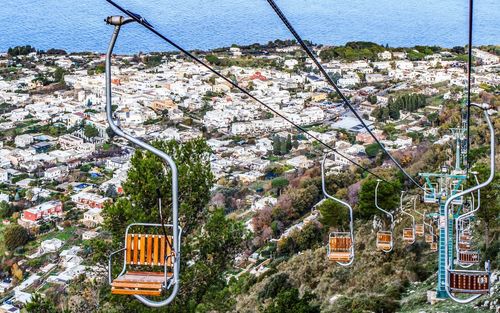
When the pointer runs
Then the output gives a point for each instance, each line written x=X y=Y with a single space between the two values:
x=136 y=285
x=155 y=251
x=142 y=248
x=141 y=292
x=136 y=248
x=129 y=248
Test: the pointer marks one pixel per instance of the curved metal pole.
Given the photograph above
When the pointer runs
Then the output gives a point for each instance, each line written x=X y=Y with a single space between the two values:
x=464 y=216
x=412 y=218
x=118 y=21
x=460 y=194
x=421 y=214
x=386 y=212
x=351 y=219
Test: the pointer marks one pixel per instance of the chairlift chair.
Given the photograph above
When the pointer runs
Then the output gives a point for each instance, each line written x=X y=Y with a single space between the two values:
x=151 y=259
x=429 y=238
x=434 y=246
x=420 y=230
x=385 y=240
x=340 y=247
x=147 y=262
x=340 y=244
x=475 y=283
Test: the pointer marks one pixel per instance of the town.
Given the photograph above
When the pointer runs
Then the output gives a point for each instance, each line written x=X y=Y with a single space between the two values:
x=60 y=164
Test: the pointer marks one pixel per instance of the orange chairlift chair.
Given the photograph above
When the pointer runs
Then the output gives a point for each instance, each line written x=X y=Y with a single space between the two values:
x=340 y=244
x=385 y=241
x=151 y=259
x=465 y=256
x=408 y=232
x=476 y=283
x=431 y=238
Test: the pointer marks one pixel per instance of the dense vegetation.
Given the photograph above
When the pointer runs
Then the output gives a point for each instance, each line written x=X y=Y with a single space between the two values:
x=407 y=103
x=352 y=51
x=20 y=50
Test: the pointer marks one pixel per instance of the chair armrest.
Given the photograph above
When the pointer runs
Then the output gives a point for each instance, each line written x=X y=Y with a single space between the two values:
x=110 y=259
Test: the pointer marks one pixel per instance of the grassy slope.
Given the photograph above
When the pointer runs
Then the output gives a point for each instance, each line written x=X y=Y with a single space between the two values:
x=374 y=278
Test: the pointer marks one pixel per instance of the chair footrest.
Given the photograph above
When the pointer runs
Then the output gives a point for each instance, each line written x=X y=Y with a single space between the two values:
x=340 y=256
x=142 y=292
x=382 y=246
x=139 y=283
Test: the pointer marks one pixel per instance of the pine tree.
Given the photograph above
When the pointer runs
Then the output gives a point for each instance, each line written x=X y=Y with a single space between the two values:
x=276 y=145
x=289 y=143
x=283 y=148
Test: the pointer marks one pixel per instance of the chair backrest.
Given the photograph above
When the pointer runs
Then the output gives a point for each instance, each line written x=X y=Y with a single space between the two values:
x=429 y=238
x=478 y=283
x=148 y=249
x=434 y=246
x=468 y=256
x=384 y=237
x=408 y=233
x=419 y=229
x=340 y=243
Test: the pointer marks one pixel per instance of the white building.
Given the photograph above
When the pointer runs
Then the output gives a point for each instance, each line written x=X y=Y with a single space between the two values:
x=23 y=141
x=92 y=218
x=55 y=173
x=4 y=175
x=386 y=55
x=51 y=245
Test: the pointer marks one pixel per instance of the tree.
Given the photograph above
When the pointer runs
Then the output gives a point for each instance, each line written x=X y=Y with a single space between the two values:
x=39 y=304
x=276 y=284
x=458 y=50
x=90 y=131
x=284 y=147
x=111 y=191
x=213 y=59
x=433 y=117
x=111 y=134
x=15 y=236
x=393 y=109
x=388 y=197
x=17 y=272
x=279 y=183
x=390 y=130
x=207 y=236
x=289 y=143
x=372 y=150
x=309 y=236
x=5 y=209
x=276 y=145
x=59 y=75
x=288 y=301
x=490 y=206
x=333 y=214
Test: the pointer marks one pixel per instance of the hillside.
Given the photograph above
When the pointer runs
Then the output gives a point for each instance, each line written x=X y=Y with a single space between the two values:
x=376 y=282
